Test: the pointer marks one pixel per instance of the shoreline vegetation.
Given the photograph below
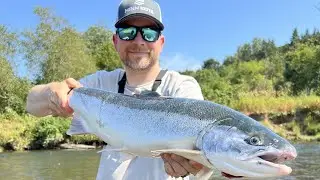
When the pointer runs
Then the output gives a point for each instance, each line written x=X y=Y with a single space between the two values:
x=278 y=85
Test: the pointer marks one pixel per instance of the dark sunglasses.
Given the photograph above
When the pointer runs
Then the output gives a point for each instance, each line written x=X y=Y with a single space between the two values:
x=128 y=33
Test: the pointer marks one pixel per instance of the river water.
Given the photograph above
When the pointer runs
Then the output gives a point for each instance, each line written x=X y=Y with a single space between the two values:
x=83 y=164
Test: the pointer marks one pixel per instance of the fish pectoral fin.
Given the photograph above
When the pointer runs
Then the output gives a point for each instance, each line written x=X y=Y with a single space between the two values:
x=204 y=174
x=193 y=155
x=187 y=152
x=113 y=149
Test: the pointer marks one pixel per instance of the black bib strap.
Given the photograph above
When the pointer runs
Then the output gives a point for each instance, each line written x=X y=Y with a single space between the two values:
x=122 y=83
x=156 y=83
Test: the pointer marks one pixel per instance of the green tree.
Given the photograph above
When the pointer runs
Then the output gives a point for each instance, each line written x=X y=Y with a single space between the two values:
x=295 y=36
x=302 y=69
x=214 y=87
x=67 y=57
x=96 y=36
x=37 y=43
x=7 y=79
x=99 y=42
x=54 y=50
x=211 y=64
x=248 y=76
x=244 y=52
x=12 y=90
x=107 y=58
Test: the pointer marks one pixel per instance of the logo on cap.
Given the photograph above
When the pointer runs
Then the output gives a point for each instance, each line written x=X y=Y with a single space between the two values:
x=139 y=2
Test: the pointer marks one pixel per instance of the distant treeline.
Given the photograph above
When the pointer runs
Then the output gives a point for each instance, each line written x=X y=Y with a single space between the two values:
x=259 y=78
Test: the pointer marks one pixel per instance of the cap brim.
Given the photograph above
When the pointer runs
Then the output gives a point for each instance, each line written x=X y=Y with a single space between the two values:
x=157 y=22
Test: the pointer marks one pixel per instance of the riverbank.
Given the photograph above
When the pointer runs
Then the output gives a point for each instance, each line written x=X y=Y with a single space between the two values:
x=26 y=132
x=297 y=119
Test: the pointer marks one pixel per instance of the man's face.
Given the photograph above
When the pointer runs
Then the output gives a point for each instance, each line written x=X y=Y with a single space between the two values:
x=138 y=54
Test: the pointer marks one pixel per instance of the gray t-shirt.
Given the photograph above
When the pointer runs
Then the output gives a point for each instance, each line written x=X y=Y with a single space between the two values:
x=115 y=165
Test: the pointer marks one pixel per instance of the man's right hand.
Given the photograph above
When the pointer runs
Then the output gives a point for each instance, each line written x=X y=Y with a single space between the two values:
x=58 y=97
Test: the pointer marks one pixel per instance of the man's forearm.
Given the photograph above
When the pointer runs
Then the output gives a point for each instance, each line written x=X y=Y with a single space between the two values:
x=38 y=100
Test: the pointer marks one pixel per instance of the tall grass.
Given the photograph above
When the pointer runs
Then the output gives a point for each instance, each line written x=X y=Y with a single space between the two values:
x=264 y=104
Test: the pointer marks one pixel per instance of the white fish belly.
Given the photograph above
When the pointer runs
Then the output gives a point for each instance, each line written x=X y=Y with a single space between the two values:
x=136 y=127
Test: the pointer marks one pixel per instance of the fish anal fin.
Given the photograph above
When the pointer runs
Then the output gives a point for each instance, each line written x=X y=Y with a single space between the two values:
x=194 y=155
x=118 y=174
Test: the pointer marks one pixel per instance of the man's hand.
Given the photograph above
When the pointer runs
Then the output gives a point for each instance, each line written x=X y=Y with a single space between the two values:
x=58 y=97
x=178 y=166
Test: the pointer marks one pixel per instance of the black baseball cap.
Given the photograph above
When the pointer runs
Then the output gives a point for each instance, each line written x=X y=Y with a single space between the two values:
x=143 y=8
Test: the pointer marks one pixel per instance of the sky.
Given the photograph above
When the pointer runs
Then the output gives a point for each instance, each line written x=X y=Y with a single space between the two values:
x=194 y=30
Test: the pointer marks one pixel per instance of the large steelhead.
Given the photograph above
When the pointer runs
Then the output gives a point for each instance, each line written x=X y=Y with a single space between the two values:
x=214 y=135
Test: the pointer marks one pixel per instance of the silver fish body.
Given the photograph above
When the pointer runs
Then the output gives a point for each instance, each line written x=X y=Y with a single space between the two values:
x=212 y=134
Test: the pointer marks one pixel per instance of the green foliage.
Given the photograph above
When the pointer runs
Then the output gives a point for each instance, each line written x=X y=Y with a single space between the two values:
x=107 y=58
x=8 y=42
x=25 y=132
x=15 y=131
x=312 y=124
x=99 y=42
x=295 y=36
x=96 y=36
x=37 y=43
x=49 y=132
x=13 y=90
x=303 y=69
x=67 y=57
x=258 y=49
x=211 y=64
x=248 y=76
x=55 y=51
x=6 y=80
x=214 y=87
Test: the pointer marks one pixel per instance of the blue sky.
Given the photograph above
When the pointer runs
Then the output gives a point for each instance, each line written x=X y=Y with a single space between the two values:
x=194 y=30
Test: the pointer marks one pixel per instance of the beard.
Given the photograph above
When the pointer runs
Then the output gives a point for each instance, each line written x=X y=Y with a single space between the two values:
x=136 y=61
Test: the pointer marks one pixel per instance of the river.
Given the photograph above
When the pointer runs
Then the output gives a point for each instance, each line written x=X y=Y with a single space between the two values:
x=83 y=164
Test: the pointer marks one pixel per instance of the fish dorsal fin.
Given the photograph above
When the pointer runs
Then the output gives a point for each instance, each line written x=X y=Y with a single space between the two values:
x=147 y=93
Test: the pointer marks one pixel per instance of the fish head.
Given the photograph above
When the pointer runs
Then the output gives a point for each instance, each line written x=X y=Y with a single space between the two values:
x=239 y=146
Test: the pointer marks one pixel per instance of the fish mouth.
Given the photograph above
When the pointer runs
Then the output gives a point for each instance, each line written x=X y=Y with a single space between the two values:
x=274 y=159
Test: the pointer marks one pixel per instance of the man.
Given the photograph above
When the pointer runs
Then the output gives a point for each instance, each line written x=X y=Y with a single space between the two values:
x=139 y=42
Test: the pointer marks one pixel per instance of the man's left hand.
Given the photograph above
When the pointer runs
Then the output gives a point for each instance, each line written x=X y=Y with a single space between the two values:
x=178 y=166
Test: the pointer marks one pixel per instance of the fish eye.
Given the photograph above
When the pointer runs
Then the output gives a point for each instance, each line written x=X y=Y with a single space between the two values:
x=254 y=140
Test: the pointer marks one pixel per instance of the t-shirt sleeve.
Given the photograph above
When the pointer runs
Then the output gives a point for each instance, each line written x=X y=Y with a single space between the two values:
x=189 y=88
x=106 y=80
x=90 y=80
